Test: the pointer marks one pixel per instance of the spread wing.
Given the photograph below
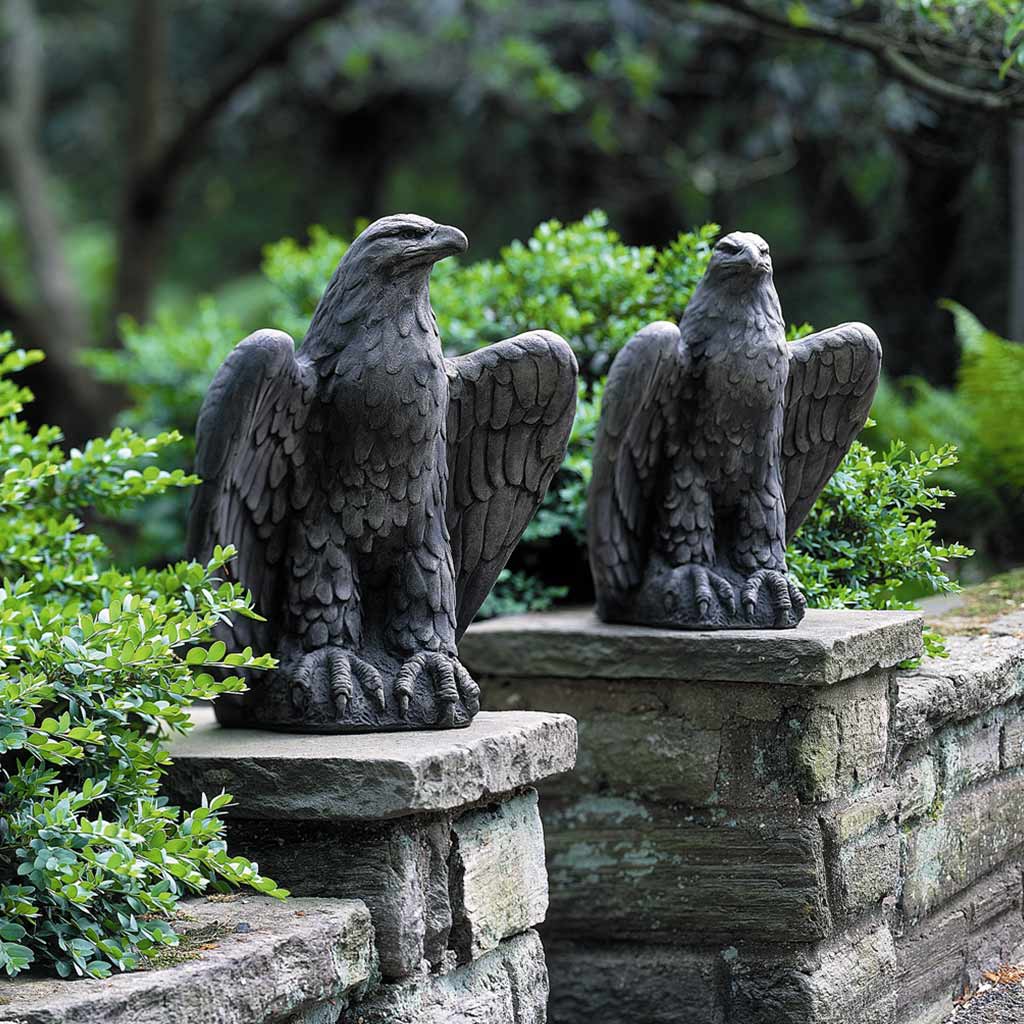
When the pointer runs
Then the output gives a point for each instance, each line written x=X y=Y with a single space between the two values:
x=639 y=414
x=832 y=380
x=248 y=441
x=510 y=413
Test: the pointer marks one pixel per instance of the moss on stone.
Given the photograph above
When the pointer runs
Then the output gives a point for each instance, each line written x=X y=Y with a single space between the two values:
x=189 y=947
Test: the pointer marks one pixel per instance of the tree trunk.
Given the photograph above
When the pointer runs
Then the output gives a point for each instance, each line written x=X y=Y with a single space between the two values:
x=72 y=397
x=1016 y=312
x=143 y=214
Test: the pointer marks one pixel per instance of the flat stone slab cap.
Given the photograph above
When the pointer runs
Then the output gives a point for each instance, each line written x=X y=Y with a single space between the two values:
x=369 y=776
x=267 y=962
x=827 y=647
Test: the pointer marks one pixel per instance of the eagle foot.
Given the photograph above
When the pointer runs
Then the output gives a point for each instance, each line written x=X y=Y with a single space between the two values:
x=340 y=668
x=450 y=680
x=704 y=587
x=785 y=598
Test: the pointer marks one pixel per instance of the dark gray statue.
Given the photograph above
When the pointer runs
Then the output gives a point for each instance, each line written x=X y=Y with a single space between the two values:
x=715 y=439
x=374 y=490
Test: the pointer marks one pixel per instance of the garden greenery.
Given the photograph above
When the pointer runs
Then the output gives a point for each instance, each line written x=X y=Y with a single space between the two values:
x=983 y=415
x=869 y=542
x=98 y=664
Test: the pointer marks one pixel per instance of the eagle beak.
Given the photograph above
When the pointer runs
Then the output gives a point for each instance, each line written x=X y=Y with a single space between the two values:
x=446 y=241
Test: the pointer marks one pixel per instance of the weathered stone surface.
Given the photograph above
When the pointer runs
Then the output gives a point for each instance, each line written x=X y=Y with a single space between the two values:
x=946 y=951
x=399 y=869
x=621 y=982
x=917 y=783
x=287 y=959
x=1011 y=745
x=378 y=776
x=848 y=981
x=841 y=740
x=980 y=673
x=827 y=647
x=977 y=830
x=508 y=985
x=627 y=870
x=499 y=883
x=969 y=753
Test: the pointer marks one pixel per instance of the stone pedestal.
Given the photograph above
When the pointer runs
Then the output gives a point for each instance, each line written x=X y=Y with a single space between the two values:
x=771 y=827
x=437 y=833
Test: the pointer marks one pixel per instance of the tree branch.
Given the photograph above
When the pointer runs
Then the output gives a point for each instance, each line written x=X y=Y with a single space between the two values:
x=886 y=50
x=175 y=153
x=156 y=165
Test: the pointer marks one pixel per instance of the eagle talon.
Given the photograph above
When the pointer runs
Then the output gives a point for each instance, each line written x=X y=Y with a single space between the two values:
x=337 y=670
x=449 y=679
x=786 y=601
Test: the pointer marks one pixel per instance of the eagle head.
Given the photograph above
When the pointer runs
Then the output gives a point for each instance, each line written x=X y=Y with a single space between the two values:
x=384 y=274
x=741 y=255
x=402 y=244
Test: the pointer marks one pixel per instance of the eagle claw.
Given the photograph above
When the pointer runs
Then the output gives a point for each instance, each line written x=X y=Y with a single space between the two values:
x=450 y=680
x=340 y=668
x=785 y=597
x=709 y=590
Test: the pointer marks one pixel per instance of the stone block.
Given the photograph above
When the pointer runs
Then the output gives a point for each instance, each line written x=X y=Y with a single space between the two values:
x=372 y=776
x=498 y=879
x=863 y=852
x=946 y=951
x=840 y=741
x=827 y=647
x=621 y=982
x=270 y=962
x=917 y=784
x=654 y=874
x=508 y=985
x=1011 y=746
x=969 y=753
x=867 y=871
x=981 y=672
x=400 y=870
x=850 y=980
x=978 y=830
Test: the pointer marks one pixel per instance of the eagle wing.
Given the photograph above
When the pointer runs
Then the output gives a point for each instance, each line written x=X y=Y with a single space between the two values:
x=639 y=414
x=832 y=380
x=510 y=413
x=248 y=442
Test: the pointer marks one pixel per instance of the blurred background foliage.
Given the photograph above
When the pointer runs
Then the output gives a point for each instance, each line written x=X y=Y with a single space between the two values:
x=148 y=152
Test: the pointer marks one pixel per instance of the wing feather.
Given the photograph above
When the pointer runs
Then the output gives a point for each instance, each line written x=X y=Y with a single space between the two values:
x=246 y=429
x=510 y=414
x=832 y=380
x=636 y=422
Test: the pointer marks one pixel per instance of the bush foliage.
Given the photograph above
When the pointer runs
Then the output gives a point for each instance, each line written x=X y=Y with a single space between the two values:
x=864 y=543
x=983 y=416
x=98 y=664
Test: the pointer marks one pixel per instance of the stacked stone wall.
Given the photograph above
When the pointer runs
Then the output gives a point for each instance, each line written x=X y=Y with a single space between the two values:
x=843 y=849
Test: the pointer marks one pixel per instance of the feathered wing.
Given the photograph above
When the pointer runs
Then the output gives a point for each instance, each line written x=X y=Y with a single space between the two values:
x=510 y=413
x=248 y=441
x=639 y=414
x=832 y=380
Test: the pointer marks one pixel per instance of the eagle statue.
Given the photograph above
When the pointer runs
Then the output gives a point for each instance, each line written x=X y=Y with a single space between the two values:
x=373 y=491
x=714 y=440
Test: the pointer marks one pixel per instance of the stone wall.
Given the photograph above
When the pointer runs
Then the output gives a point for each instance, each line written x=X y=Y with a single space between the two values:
x=772 y=827
x=418 y=860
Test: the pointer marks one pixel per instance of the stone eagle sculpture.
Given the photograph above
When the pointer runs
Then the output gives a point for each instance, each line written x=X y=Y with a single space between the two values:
x=714 y=440
x=373 y=490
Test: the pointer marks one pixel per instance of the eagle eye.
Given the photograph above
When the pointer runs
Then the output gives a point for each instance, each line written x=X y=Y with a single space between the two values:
x=731 y=248
x=408 y=234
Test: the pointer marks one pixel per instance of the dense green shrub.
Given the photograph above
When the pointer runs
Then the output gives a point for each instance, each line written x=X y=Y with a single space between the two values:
x=98 y=663
x=983 y=416
x=581 y=280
